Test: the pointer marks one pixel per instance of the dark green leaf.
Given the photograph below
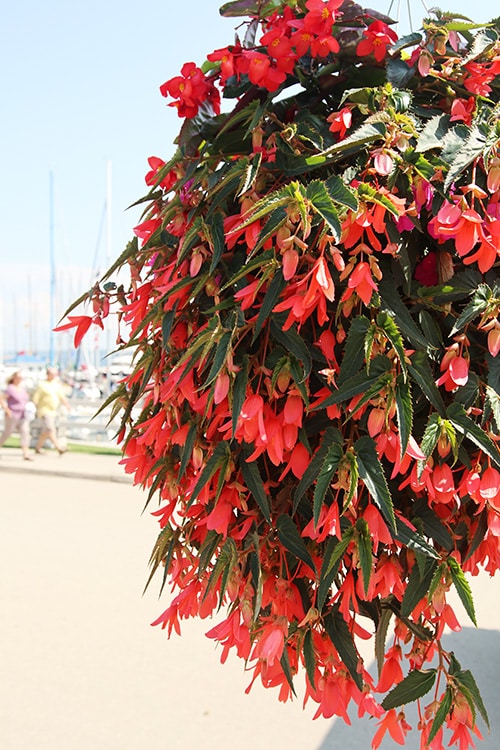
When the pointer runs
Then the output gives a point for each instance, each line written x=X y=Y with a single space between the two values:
x=166 y=325
x=433 y=133
x=187 y=449
x=324 y=480
x=339 y=550
x=441 y=714
x=328 y=572
x=381 y=636
x=290 y=538
x=466 y=680
x=309 y=657
x=354 y=357
x=323 y=205
x=223 y=346
x=392 y=302
x=415 y=685
x=476 y=307
x=422 y=374
x=270 y=299
x=433 y=526
x=213 y=464
x=331 y=436
x=413 y=540
x=364 y=546
x=463 y=588
x=239 y=391
x=404 y=412
x=470 y=148
x=365 y=134
x=207 y=550
x=340 y=193
x=387 y=324
x=292 y=342
x=471 y=431
x=359 y=383
x=253 y=480
x=418 y=586
x=216 y=238
x=431 y=434
x=275 y=220
x=340 y=635
x=285 y=666
x=372 y=474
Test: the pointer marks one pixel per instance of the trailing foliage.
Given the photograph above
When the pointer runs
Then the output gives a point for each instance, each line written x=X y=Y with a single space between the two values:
x=313 y=310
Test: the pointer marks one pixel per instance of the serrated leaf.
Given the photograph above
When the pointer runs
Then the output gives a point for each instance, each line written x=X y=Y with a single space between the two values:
x=339 y=550
x=433 y=133
x=358 y=383
x=472 y=148
x=340 y=193
x=466 y=680
x=493 y=401
x=331 y=436
x=353 y=358
x=293 y=342
x=463 y=588
x=221 y=351
x=431 y=435
x=371 y=472
x=323 y=205
x=250 y=175
x=415 y=685
x=239 y=391
x=476 y=307
x=324 y=480
x=275 y=220
x=187 y=449
x=365 y=554
x=421 y=373
x=404 y=413
x=270 y=299
x=215 y=232
x=387 y=324
x=340 y=635
x=285 y=666
x=365 y=134
x=253 y=480
x=327 y=573
x=166 y=326
x=392 y=302
x=418 y=586
x=381 y=636
x=432 y=525
x=471 y=431
x=213 y=464
x=309 y=657
x=207 y=550
x=441 y=714
x=290 y=538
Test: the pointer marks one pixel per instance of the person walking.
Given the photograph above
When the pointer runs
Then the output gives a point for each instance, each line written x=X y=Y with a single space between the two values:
x=13 y=402
x=48 y=397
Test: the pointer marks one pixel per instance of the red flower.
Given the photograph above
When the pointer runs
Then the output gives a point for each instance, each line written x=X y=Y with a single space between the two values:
x=378 y=36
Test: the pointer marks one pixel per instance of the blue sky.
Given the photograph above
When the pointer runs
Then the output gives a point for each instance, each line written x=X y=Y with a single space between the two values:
x=80 y=86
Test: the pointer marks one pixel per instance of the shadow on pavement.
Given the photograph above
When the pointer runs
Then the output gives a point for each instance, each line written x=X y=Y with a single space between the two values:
x=477 y=650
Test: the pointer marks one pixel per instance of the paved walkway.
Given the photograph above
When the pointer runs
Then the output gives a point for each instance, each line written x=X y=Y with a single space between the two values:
x=81 y=669
x=72 y=464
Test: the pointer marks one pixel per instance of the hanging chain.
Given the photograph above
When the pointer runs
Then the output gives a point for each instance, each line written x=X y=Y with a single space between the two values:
x=408 y=4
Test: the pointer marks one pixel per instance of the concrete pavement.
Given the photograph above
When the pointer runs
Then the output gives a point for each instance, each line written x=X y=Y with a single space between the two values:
x=81 y=669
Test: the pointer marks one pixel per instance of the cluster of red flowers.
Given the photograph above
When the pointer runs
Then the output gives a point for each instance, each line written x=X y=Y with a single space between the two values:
x=317 y=326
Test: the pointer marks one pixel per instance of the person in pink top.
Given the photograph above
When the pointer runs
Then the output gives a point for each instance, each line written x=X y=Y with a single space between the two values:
x=13 y=402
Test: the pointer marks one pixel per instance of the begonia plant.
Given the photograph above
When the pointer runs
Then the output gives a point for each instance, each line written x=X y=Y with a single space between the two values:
x=313 y=310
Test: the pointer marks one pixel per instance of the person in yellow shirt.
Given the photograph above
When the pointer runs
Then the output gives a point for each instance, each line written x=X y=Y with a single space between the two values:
x=48 y=397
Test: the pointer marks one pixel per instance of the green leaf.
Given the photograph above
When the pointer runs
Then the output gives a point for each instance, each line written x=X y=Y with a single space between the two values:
x=323 y=205
x=239 y=391
x=285 y=666
x=207 y=550
x=433 y=133
x=275 y=220
x=340 y=193
x=250 y=175
x=413 y=540
x=371 y=472
x=324 y=480
x=476 y=307
x=213 y=464
x=365 y=134
x=340 y=635
x=166 y=326
x=332 y=436
x=463 y=588
x=431 y=435
x=404 y=412
x=470 y=149
x=339 y=550
x=441 y=714
x=224 y=566
x=290 y=538
x=421 y=373
x=471 y=431
x=354 y=357
x=328 y=572
x=392 y=302
x=215 y=232
x=187 y=449
x=270 y=299
x=415 y=685
x=432 y=524
x=223 y=347
x=364 y=546
x=359 y=383
x=294 y=343
x=381 y=637
x=466 y=681
x=386 y=323
x=309 y=657
x=493 y=402
x=418 y=586
x=253 y=480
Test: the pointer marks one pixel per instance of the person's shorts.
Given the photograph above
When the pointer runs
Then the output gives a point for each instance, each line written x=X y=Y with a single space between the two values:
x=48 y=422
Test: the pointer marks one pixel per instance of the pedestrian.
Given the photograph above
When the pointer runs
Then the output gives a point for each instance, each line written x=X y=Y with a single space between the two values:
x=48 y=397
x=13 y=402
